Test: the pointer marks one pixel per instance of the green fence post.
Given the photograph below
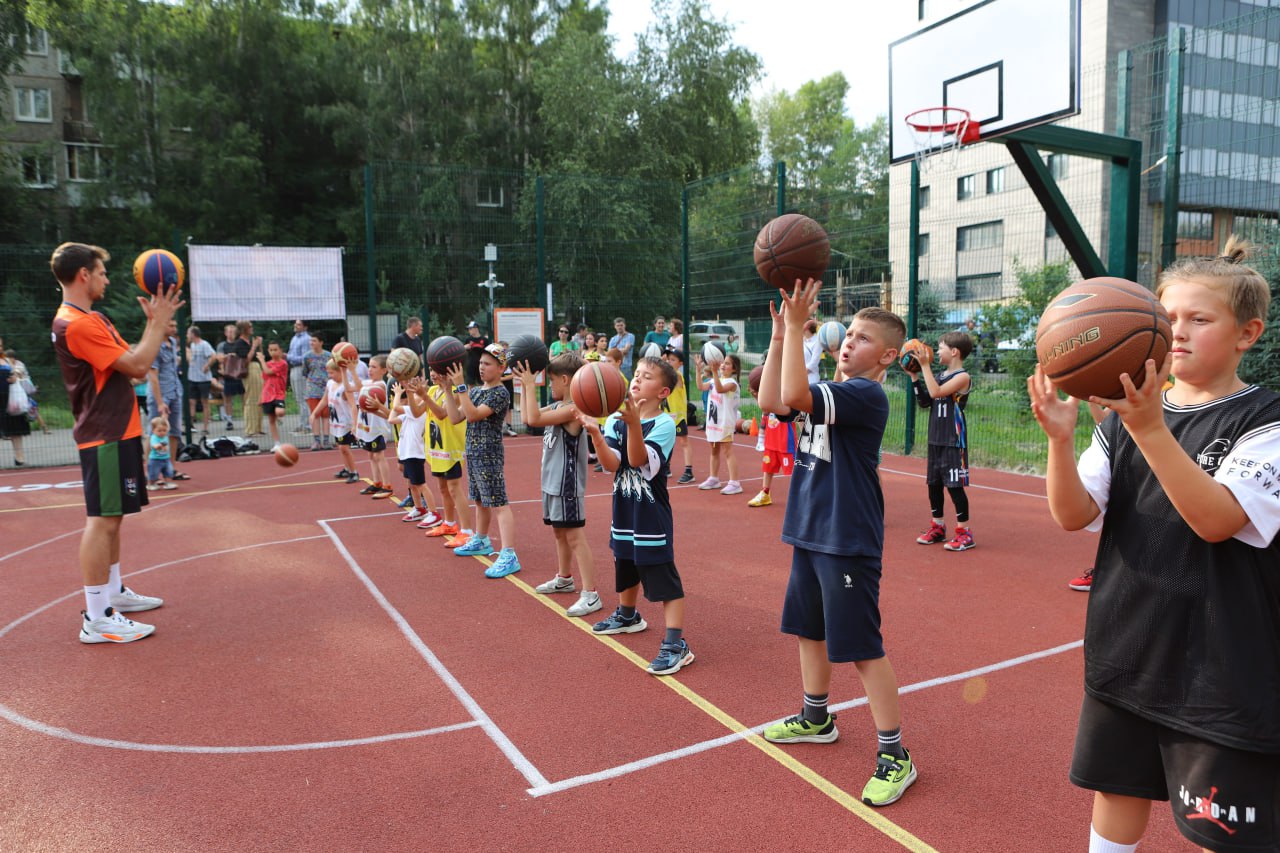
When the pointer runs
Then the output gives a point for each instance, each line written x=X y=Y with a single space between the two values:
x=1172 y=147
x=540 y=243
x=370 y=263
x=781 y=168
x=913 y=294
x=684 y=281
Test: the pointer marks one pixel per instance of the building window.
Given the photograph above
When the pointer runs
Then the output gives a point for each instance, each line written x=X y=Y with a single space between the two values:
x=964 y=187
x=32 y=104
x=922 y=245
x=1195 y=225
x=1057 y=164
x=995 y=180
x=489 y=196
x=38 y=171
x=978 y=288
x=87 y=162
x=37 y=42
x=924 y=197
x=988 y=235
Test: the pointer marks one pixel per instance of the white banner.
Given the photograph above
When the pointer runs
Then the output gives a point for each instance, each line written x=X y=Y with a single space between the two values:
x=265 y=283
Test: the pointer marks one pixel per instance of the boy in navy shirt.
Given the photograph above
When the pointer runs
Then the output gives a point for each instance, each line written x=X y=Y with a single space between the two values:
x=835 y=521
x=636 y=444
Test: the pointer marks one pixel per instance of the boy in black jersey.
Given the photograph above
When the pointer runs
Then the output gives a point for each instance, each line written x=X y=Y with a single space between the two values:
x=945 y=397
x=835 y=522
x=1182 y=640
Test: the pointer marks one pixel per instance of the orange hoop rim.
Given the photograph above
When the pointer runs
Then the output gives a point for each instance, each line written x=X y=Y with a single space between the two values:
x=962 y=126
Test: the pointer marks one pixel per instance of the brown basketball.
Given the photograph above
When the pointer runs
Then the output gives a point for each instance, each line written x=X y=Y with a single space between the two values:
x=753 y=379
x=791 y=247
x=1098 y=329
x=286 y=455
x=598 y=389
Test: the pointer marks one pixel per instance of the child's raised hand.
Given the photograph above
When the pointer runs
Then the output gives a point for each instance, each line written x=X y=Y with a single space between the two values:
x=589 y=424
x=801 y=304
x=417 y=385
x=1056 y=415
x=520 y=370
x=1141 y=409
x=397 y=390
x=779 y=323
x=455 y=376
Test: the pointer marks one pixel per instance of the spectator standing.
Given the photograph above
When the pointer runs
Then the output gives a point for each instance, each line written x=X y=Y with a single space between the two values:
x=299 y=346
x=200 y=359
x=29 y=386
x=252 y=379
x=812 y=350
x=563 y=343
x=677 y=335
x=474 y=344
x=164 y=390
x=316 y=380
x=658 y=334
x=624 y=342
x=231 y=387
x=12 y=427
x=580 y=337
x=411 y=337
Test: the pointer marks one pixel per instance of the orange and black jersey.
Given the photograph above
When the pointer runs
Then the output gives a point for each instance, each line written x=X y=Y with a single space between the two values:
x=87 y=346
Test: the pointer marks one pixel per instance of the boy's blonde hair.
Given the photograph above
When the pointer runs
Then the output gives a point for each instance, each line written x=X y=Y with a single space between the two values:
x=158 y=421
x=895 y=331
x=379 y=360
x=1243 y=287
x=565 y=364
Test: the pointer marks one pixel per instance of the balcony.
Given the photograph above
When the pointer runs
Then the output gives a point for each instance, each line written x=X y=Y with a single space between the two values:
x=74 y=130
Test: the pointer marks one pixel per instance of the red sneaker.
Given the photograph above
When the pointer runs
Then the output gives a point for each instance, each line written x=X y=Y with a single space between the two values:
x=963 y=540
x=935 y=534
x=1084 y=583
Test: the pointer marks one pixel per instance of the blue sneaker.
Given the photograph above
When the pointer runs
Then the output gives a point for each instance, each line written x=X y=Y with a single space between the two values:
x=672 y=657
x=619 y=624
x=506 y=564
x=407 y=503
x=477 y=545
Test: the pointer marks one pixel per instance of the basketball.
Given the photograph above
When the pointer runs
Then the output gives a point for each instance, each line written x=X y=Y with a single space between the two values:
x=753 y=379
x=444 y=352
x=791 y=247
x=155 y=269
x=908 y=361
x=598 y=389
x=345 y=353
x=831 y=335
x=712 y=353
x=651 y=350
x=529 y=348
x=403 y=364
x=371 y=396
x=1098 y=329
x=286 y=455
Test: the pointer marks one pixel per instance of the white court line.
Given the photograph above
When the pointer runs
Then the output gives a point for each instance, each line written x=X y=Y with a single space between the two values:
x=971 y=485
x=724 y=740
x=114 y=743
x=503 y=743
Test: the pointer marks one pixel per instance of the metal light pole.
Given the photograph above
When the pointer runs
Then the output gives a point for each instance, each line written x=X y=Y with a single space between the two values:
x=491 y=257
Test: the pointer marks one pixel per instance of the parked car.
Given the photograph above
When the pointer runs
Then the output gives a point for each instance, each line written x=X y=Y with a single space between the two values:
x=699 y=333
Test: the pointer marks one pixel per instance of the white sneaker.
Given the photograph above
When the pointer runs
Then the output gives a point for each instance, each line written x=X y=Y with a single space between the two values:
x=414 y=514
x=430 y=519
x=128 y=601
x=112 y=628
x=588 y=602
x=733 y=487
x=709 y=484
x=556 y=584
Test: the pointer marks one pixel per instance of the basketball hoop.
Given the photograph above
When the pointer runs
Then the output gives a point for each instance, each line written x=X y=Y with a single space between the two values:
x=939 y=132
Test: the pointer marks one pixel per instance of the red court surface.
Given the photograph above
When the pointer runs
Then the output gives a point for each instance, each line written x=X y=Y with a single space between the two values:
x=324 y=677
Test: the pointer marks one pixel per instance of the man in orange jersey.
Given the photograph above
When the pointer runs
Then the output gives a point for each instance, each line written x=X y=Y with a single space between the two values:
x=97 y=365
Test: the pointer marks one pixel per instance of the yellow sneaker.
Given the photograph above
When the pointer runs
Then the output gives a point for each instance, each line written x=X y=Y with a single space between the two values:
x=762 y=499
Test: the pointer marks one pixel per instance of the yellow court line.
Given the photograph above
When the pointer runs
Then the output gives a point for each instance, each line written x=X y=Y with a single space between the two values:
x=821 y=783
x=177 y=494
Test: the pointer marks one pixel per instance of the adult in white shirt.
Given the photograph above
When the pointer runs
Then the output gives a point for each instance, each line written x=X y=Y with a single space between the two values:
x=812 y=350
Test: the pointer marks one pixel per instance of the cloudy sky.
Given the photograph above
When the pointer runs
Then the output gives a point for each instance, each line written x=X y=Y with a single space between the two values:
x=802 y=40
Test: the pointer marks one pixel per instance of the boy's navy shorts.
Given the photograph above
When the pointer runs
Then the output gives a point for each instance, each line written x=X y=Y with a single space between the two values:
x=414 y=470
x=836 y=599
x=948 y=466
x=114 y=476
x=454 y=473
x=378 y=444
x=1222 y=798
x=661 y=581
x=347 y=440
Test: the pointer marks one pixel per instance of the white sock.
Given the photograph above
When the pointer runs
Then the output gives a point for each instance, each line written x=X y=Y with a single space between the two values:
x=97 y=599
x=1098 y=844
x=114 y=580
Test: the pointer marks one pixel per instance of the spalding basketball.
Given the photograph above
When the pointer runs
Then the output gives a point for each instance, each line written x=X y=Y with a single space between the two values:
x=371 y=396
x=1098 y=329
x=444 y=352
x=651 y=350
x=753 y=379
x=156 y=269
x=598 y=389
x=712 y=352
x=908 y=361
x=286 y=455
x=403 y=363
x=791 y=247
x=345 y=353
x=529 y=348
x=831 y=335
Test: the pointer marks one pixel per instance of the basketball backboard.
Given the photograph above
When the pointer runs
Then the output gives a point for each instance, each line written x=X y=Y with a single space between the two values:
x=1010 y=63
